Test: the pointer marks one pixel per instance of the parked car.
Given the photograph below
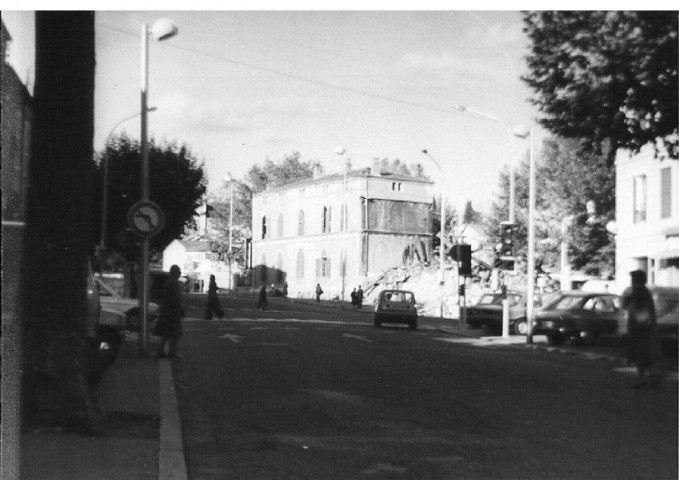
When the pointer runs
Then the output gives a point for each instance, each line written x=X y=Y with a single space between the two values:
x=577 y=315
x=104 y=340
x=487 y=313
x=113 y=306
x=396 y=306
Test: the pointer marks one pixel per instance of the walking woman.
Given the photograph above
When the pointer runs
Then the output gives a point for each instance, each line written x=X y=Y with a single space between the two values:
x=169 y=324
x=642 y=337
x=213 y=306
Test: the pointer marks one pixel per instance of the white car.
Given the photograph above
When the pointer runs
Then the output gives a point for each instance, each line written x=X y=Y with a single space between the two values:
x=121 y=312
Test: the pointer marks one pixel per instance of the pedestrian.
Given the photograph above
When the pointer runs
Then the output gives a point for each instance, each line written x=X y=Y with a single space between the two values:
x=642 y=341
x=319 y=292
x=213 y=306
x=354 y=299
x=169 y=324
x=263 y=303
x=359 y=297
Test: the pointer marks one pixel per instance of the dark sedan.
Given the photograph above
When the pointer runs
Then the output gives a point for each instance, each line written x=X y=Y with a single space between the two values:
x=487 y=313
x=578 y=315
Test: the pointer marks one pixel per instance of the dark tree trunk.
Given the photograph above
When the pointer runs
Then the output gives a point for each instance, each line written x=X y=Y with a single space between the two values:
x=59 y=224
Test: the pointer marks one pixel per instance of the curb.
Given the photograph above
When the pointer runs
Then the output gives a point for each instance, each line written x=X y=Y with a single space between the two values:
x=171 y=462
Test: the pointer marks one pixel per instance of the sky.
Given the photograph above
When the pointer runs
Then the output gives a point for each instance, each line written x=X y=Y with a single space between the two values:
x=242 y=86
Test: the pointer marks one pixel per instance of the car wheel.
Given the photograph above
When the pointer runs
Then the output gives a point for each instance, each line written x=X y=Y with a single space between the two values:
x=556 y=339
x=521 y=326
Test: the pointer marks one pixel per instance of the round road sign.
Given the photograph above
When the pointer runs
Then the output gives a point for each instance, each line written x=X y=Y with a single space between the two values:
x=145 y=219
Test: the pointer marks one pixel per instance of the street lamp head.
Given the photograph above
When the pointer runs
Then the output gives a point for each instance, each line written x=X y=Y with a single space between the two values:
x=228 y=178
x=424 y=150
x=163 y=29
x=152 y=109
x=339 y=150
x=460 y=108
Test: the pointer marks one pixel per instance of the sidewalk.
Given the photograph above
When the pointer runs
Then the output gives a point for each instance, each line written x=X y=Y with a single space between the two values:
x=142 y=438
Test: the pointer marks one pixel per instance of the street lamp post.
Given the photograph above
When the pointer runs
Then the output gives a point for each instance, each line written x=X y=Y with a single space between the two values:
x=442 y=254
x=343 y=222
x=104 y=206
x=512 y=188
x=161 y=30
x=522 y=132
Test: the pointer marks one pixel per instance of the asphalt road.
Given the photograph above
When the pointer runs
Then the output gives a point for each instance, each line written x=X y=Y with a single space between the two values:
x=313 y=392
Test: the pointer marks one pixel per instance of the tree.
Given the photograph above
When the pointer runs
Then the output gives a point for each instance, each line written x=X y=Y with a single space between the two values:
x=59 y=225
x=176 y=184
x=606 y=77
x=288 y=170
x=565 y=182
x=396 y=166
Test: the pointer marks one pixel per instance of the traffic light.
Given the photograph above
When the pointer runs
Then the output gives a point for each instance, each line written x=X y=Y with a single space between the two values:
x=462 y=253
x=506 y=251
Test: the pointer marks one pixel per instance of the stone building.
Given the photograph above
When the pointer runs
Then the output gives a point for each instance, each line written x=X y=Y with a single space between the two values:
x=647 y=217
x=301 y=231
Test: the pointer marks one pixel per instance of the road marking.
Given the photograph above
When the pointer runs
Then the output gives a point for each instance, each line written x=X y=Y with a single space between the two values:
x=383 y=467
x=357 y=337
x=232 y=337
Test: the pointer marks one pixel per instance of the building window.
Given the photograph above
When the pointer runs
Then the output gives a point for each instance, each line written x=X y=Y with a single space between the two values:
x=300 y=223
x=301 y=193
x=262 y=270
x=300 y=264
x=263 y=227
x=280 y=225
x=639 y=194
x=280 y=275
x=323 y=265
x=396 y=186
x=666 y=192
x=327 y=214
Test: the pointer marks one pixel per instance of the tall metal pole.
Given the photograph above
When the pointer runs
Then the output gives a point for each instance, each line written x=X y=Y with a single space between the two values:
x=442 y=255
x=343 y=217
x=531 y=244
x=144 y=273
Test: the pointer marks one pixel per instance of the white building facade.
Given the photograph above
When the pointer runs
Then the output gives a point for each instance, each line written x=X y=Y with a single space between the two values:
x=303 y=231
x=647 y=217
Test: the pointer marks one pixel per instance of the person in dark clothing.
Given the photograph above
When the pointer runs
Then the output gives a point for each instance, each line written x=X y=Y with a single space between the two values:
x=213 y=306
x=354 y=299
x=169 y=324
x=319 y=292
x=359 y=297
x=643 y=344
x=263 y=303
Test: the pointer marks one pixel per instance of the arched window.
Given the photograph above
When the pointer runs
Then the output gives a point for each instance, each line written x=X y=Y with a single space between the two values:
x=300 y=264
x=280 y=274
x=263 y=227
x=279 y=233
x=323 y=265
x=300 y=223
x=262 y=272
x=327 y=219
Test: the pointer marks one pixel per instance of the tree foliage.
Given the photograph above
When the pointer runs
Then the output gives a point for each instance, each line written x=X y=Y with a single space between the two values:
x=606 y=77
x=289 y=169
x=384 y=165
x=565 y=182
x=176 y=184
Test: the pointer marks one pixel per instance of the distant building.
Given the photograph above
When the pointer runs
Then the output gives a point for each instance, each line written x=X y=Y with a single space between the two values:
x=301 y=230
x=197 y=263
x=647 y=217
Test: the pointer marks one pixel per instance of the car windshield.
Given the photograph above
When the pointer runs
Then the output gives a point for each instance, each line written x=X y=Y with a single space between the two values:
x=601 y=304
x=490 y=299
x=104 y=290
x=399 y=297
x=564 y=303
